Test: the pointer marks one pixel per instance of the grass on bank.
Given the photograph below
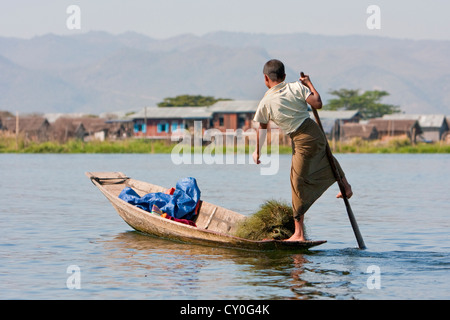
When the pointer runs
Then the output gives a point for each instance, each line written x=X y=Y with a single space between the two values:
x=394 y=145
x=8 y=144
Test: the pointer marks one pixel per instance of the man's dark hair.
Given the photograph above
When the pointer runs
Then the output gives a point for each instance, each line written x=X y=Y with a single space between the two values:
x=274 y=69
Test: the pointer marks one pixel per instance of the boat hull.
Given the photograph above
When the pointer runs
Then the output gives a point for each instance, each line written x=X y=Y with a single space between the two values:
x=215 y=224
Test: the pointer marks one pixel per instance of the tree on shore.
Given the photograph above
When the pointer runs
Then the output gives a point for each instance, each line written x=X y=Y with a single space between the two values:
x=368 y=103
x=189 y=101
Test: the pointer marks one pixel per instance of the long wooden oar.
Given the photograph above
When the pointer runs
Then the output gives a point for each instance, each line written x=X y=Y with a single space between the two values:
x=338 y=177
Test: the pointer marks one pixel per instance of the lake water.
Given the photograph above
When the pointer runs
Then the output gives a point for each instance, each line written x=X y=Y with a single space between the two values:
x=54 y=221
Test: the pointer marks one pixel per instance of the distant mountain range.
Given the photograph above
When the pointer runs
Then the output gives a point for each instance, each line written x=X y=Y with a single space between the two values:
x=99 y=72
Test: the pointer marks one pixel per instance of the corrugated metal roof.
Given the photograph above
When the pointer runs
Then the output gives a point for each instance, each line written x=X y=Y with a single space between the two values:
x=432 y=120
x=425 y=120
x=235 y=106
x=329 y=114
x=173 y=113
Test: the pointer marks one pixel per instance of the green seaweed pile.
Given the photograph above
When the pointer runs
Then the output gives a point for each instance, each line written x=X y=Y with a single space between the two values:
x=273 y=220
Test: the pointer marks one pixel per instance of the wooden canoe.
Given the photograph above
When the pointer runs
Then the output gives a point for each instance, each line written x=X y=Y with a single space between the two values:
x=214 y=225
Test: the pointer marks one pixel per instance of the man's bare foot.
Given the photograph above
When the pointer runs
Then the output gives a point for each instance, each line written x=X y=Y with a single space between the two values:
x=299 y=234
x=295 y=237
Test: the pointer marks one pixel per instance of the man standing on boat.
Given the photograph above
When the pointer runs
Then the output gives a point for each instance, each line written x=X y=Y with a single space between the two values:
x=286 y=105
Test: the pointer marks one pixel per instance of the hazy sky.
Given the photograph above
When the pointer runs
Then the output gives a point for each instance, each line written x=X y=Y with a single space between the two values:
x=413 y=19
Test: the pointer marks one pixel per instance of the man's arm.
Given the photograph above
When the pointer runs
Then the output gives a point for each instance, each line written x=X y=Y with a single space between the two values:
x=314 y=99
x=263 y=133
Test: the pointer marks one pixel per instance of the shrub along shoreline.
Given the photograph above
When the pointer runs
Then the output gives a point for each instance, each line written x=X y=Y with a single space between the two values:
x=8 y=145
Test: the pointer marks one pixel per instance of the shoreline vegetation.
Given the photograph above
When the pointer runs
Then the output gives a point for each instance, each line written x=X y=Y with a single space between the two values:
x=8 y=144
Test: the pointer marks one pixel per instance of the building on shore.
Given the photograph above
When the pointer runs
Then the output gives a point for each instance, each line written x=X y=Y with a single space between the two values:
x=64 y=129
x=333 y=121
x=434 y=126
x=233 y=114
x=89 y=128
x=363 y=131
x=32 y=128
x=398 y=128
x=161 y=122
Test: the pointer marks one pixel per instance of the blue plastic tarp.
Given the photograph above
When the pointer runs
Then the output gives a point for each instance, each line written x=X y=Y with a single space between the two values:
x=181 y=204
